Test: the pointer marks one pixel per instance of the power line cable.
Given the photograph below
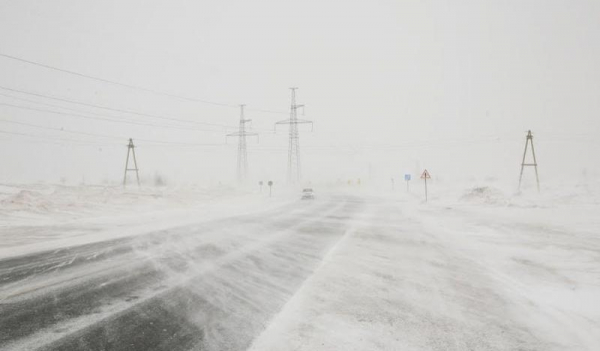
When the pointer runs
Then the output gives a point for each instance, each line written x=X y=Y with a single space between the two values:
x=114 y=109
x=60 y=129
x=112 y=118
x=38 y=141
x=130 y=122
x=52 y=138
x=102 y=119
x=130 y=86
x=153 y=141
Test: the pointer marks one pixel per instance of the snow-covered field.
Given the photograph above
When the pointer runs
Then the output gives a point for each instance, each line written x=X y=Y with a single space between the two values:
x=475 y=268
x=38 y=217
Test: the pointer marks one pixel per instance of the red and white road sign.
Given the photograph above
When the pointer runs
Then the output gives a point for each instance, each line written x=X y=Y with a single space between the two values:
x=425 y=175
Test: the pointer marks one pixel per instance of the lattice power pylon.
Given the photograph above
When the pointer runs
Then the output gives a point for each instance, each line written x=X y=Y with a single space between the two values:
x=131 y=150
x=529 y=140
x=294 y=170
x=242 y=155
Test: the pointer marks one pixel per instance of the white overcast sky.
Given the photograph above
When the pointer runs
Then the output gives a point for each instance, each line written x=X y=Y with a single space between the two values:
x=392 y=86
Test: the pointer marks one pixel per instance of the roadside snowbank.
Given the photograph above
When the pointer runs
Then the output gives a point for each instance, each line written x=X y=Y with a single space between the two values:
x=42 y=217
x=59 y=202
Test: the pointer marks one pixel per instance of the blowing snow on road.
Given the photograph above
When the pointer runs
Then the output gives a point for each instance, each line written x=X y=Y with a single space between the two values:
x=344 y=272
x=315 y=175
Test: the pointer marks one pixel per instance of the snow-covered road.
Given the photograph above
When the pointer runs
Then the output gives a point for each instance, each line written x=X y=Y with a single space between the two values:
x=212 y=286
x=414 y=276
x=345 y=272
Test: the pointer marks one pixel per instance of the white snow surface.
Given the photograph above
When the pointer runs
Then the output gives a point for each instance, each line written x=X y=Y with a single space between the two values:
x=475 y=268
x=35 y=217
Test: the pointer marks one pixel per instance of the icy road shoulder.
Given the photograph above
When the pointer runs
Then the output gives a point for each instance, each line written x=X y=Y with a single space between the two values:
x=415 y=277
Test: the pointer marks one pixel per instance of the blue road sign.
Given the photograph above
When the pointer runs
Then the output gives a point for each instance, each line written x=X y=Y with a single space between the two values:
x=407 y=177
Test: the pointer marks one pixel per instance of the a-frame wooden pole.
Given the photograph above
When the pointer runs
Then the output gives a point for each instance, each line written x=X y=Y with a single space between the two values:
x=131 y=149
x=529 y=139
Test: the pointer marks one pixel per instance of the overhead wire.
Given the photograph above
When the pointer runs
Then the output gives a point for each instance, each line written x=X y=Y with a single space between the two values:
x=131 y=86
x=62 y=130
x=104 y=107
x=149 y=141
x=224 y=126
x=104 y=118
x=42 y=137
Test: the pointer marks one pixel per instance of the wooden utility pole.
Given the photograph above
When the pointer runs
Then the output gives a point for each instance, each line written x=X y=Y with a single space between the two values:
x=131 y=150
x=528 y=140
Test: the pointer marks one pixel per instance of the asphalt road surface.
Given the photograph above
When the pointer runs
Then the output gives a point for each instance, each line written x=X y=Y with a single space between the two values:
x=210 y=286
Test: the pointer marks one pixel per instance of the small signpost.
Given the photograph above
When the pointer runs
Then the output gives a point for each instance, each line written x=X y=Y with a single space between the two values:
x=260 y=184
x=425 y=176
x=270 y=184
x=407 y=179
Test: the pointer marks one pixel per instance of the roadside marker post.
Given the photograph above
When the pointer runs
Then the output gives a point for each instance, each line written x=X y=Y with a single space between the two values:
x=407 y=179
x=425 y=176
x=270 y=183
x=393 y=184
x=260 y=184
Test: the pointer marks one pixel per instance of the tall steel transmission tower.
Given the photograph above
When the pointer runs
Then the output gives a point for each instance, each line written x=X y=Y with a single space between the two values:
x=294 y=170
x=242 y=155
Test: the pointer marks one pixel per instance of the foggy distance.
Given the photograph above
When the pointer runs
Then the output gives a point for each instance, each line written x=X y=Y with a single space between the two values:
x=315 y=175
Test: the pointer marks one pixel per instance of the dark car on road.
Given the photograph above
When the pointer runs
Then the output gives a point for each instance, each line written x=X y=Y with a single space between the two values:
x=307 y=194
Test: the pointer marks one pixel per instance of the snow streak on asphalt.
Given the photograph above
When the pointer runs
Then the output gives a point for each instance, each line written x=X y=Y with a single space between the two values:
x=210 y=286
x=343 y=272
x=415 y=276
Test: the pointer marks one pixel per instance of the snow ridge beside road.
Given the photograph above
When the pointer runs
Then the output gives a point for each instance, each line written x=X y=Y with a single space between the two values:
x=78 y=215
